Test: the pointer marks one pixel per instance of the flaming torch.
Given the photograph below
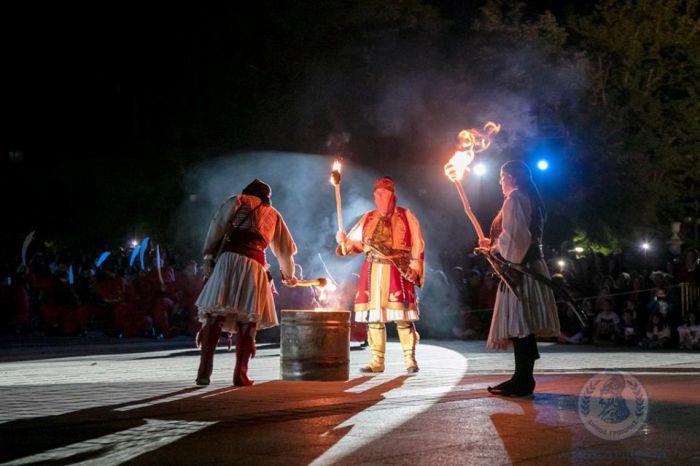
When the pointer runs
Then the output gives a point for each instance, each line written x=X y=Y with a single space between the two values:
x=335 y=181
x=471 y=141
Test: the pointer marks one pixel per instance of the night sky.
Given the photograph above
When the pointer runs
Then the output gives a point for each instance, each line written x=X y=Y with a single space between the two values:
x=111 y=104
x=81 y=80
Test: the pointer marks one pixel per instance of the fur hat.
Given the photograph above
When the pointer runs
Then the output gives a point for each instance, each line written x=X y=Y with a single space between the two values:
x=259 y=189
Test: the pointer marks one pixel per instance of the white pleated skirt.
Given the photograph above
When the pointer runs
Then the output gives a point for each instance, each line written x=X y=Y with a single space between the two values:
x=239 y=290
x=536 y=313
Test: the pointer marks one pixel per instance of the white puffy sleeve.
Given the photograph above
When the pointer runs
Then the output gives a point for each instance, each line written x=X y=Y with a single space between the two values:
x=283 y=247
x=515 y=239
x=218 y=226
x=354 y=238
x=417 y=246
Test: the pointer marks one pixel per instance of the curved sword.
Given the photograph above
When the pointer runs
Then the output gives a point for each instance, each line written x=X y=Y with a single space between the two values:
x=499 y=262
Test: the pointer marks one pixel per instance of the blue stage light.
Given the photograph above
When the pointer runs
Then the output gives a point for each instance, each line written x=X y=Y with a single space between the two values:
x=543 y=164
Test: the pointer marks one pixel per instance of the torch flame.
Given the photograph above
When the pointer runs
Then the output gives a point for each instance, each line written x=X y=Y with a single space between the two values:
x=335 y=174
x=471 y=142
x=460 y=162
x=492 y=128
x=330 y=286
x=478 y=141
x=327 y=297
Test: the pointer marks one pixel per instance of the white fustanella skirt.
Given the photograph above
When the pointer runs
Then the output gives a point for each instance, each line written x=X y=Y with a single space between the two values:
x=239 y=290
x=536 y=313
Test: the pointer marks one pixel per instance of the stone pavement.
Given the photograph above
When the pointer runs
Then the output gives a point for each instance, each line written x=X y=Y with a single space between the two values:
x=141 y=408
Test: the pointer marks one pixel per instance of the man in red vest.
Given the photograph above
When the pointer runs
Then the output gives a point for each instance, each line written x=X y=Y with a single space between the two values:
x=391 y=238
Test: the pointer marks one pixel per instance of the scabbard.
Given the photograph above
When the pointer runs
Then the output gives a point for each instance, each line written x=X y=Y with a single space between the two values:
x=504 y=264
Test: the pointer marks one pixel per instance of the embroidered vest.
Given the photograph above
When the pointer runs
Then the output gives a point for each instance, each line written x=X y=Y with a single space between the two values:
x=400 y=231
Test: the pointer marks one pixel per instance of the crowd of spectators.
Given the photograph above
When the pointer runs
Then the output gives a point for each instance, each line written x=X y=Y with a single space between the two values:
x=69 y=294
x=615 y=302
x=60 y=292
x=114 y=292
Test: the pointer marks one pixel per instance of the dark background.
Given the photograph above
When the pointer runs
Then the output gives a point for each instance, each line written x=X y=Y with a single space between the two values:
x=109 y=107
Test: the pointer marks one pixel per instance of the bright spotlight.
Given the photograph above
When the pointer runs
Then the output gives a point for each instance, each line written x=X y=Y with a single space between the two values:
x=479 y=169
x=543 y=164
x=134 y=243
x=646 y=246
x=561 y=263
x=578 y=249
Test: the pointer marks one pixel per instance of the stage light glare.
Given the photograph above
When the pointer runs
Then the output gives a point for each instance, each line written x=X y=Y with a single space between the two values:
x=479 y=169
x=543 y=164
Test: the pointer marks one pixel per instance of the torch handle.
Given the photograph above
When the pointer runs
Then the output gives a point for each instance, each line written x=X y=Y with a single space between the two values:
x=320 y=282
x=468 y=210
x=339 y=213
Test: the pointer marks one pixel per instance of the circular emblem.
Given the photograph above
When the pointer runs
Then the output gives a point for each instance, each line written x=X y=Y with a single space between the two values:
x=613 y=405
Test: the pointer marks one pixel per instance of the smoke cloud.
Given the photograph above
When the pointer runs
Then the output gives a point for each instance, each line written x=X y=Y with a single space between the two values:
x=302 y=193
x=421 y=98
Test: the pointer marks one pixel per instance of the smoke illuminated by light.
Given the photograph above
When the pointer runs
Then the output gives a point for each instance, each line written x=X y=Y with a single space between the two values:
x=301 y=194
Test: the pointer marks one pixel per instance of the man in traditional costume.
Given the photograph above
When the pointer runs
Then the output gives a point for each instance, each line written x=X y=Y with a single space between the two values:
x=237 y=296
x=516 y=235
x=391 y=238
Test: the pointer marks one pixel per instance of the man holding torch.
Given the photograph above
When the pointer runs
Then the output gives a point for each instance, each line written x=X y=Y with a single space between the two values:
x=525 y=307
x=237 y=296
x=391 y=238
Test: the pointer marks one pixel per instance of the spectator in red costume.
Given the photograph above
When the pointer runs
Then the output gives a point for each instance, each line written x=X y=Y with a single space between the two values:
x=159 y=296
x=189 y=284
x=112 y=290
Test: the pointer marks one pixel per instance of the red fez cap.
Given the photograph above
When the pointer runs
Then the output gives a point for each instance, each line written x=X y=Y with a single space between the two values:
x=384 y=183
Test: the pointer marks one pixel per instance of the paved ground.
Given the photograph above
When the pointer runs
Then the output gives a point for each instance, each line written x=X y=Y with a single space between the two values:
x=135 y=403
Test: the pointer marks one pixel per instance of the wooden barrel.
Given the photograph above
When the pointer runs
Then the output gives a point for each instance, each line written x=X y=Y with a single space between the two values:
x=315 y=345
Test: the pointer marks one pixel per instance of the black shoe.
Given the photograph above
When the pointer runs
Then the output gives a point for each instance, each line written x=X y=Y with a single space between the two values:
x=501 y=387
x=202 y=381
x=513 y=388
